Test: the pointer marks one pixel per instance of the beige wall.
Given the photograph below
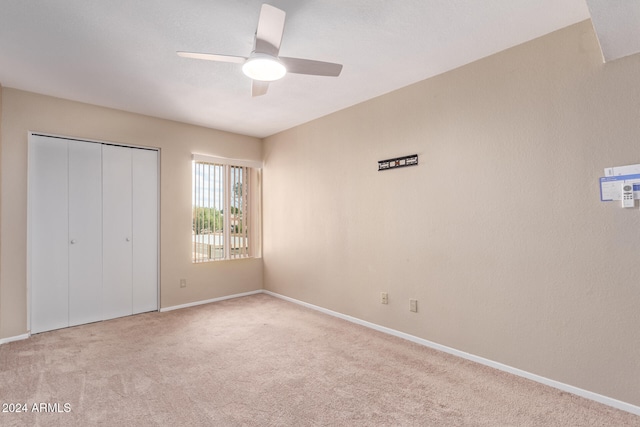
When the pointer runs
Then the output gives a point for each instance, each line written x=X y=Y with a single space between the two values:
x=499 y=233
x=24 y=111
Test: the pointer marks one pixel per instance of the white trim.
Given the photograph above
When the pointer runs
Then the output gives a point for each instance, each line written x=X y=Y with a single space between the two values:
x=225 y=161
x=192 y=304
x=95 y=141
x=502 y=367
x=16 y=338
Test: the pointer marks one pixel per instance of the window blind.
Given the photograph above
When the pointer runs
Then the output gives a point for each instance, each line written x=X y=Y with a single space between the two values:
x=222 y=209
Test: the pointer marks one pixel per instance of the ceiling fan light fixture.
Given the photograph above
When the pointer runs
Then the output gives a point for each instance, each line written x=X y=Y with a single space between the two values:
x=264 y=67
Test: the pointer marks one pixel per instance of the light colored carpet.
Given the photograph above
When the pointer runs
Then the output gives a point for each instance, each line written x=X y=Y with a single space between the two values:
x=262 y=361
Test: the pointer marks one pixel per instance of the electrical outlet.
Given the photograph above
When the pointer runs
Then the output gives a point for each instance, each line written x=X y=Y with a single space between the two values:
x=183 y=283
x=413 y=305
x=384 y=298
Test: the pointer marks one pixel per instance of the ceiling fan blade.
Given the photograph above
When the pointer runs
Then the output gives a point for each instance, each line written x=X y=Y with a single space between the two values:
x=270 y=29
x=212 y=57
x=307 y=66
x=259 y=88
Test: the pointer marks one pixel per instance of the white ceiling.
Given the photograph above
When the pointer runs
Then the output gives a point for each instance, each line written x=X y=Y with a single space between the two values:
x=617 y=24
x=122 y=53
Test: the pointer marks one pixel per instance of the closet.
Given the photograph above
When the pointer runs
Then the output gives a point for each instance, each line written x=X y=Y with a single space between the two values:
x=93 y=231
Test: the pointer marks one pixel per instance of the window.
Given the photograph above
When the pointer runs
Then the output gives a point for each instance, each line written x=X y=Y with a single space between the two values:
x=225 y=197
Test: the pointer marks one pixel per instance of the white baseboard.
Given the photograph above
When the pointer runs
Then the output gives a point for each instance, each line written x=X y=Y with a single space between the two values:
x=515 y=371
x=193 y=304
x=16 y=338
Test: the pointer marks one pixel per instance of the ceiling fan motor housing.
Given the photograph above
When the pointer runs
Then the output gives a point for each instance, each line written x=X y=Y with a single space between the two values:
x=264 y=67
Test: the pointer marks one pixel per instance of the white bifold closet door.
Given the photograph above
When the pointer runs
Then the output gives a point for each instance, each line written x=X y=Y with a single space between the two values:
x=49 y=233
x=93 y=231
x=116 y=231
x=85 y=234
x=145 y=230
x=66 y=220
x=130 y=200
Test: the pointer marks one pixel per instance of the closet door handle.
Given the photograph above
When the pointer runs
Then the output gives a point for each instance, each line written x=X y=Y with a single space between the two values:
x=128 y=239
x=73 y=241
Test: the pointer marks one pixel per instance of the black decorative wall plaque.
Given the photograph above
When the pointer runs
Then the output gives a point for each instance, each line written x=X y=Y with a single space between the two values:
x=398 y=162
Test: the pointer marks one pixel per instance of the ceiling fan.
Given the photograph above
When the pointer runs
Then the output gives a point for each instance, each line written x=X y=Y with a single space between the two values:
x=263 y=64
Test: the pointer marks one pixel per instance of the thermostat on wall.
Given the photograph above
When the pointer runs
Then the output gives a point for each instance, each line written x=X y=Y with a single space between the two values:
x=627 y=196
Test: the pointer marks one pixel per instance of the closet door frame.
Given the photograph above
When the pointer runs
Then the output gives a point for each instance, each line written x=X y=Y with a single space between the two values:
x=31 y=135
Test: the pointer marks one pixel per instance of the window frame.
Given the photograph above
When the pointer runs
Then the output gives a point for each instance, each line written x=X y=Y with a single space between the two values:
x=232 y=170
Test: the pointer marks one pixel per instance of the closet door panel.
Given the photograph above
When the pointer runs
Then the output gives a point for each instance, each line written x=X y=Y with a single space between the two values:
x=48 y=233
x=85 y=232
x=145 y=230
x=116 y=232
